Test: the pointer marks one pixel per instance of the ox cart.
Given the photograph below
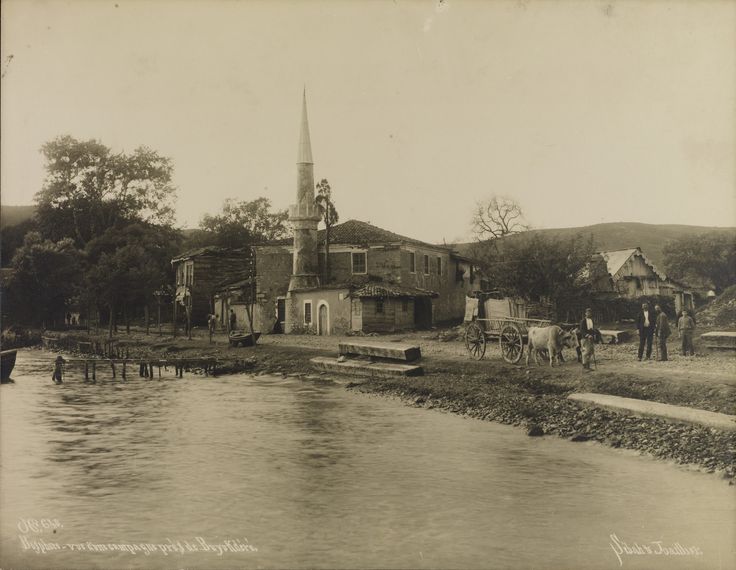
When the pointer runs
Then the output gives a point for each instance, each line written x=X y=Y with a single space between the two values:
x=498 y=320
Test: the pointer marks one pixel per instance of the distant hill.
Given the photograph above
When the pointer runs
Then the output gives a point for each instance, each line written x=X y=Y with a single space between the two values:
x=651 y=238
x=14 y=215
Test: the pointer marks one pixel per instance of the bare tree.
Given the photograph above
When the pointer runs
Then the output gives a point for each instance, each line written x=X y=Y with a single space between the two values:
x=500 y=216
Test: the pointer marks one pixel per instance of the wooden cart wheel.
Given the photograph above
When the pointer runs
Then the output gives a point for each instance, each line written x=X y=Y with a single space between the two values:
x=511 y=343
x=475 y=341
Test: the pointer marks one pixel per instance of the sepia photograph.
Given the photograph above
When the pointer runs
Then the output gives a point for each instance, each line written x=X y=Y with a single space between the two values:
x=368 y=284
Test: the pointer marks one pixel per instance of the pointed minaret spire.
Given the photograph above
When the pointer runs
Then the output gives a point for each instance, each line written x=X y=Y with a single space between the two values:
x=305 y=145
x=303 y=215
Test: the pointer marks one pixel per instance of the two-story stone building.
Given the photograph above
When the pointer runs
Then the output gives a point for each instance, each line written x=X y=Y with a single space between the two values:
x=379 y=281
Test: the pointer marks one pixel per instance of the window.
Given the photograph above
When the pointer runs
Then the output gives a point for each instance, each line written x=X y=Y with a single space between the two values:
x=308 y=313
x=404 y=305
x=426 y=265
x=460 y=274
x=379 y=305
x=412 y=262
x=189 y=273
x=439 y=266
x=359 y=262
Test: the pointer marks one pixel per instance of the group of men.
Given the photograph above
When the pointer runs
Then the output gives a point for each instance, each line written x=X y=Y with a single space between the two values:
x=212 y=321
x=656 y=325
x=650 y=324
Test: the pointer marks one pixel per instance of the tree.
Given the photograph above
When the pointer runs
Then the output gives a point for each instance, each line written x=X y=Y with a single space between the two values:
x=329 y=216
x=498 y=217
x=708 y=257
x=533 y=267
x=13 y=237
x=127 y=266
x=45 y=277
x=243 y=223
x=88 y=189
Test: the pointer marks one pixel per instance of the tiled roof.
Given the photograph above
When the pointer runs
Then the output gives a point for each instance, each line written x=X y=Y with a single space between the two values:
x=391 y=290
x=355 y=232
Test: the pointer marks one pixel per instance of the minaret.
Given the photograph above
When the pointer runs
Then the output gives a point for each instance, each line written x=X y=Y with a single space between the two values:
x=303 y=215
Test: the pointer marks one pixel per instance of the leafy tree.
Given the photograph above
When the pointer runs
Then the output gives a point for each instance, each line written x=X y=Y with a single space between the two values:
x=88 y=189
x=329 y=216
x=12 y=238
x=533 y=267
x=127 y=265
x=708 y=257
x=45 y=277
x=242 y=223
x=498 y=217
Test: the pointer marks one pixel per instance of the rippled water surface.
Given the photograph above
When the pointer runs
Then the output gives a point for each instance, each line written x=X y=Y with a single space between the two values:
x=313 y=476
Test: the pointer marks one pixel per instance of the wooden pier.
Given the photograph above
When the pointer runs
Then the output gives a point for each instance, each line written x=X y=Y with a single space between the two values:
x=145 y=367
x=108 y=348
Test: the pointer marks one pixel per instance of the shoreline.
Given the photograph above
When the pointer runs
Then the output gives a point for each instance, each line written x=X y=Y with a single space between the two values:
x=533 y=399
x=704 y=449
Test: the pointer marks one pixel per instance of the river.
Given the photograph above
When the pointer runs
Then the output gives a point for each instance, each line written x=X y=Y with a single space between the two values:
x=299 y=474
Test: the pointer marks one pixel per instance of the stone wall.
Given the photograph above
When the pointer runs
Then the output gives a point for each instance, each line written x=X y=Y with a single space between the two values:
x=273 y=271
x=392 y=263
x=338 y=311
x=450 y=281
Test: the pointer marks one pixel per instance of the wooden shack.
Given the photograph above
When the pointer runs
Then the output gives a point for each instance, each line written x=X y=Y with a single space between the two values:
x=202 y=272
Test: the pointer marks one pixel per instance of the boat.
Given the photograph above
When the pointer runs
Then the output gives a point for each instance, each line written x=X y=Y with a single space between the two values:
x=243 y=339
x=7 y=362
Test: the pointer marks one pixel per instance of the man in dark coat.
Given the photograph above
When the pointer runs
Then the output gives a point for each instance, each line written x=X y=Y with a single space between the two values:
x=645 y=323
x=661 y=332
x=588 y=336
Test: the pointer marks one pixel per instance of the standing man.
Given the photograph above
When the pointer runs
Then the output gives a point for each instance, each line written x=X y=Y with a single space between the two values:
x=211 y=325
x=645 y=323
x=233 y=320
x=588 y=334
x=686 y=328
x=661 y=332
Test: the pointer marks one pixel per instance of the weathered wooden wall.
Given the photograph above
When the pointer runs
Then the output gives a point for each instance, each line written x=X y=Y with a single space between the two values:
x=212 y=270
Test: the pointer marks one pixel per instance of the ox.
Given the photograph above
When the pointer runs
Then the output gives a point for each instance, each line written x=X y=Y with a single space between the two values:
x=551 y=339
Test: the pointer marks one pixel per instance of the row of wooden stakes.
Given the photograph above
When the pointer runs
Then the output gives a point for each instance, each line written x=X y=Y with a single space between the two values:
x=145 y=367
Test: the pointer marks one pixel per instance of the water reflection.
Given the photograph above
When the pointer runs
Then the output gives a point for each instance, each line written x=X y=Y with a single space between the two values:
x=317 y=477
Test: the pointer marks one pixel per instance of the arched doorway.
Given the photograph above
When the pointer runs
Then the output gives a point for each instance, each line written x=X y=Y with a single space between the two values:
x=323 y=320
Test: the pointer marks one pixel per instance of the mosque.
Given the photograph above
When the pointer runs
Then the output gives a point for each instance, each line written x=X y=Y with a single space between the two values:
x=379 y=281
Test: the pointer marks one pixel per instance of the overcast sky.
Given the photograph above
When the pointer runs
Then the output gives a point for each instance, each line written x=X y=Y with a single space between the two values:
x=584 y=112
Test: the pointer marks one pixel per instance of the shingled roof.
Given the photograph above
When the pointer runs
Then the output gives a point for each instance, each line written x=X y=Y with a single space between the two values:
x=616 y=259
x=214 y=251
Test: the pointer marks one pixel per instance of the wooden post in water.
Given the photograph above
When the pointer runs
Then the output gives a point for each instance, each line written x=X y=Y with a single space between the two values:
x=112 y=365
x=94 y=371
x=86 y=371
x=173 y=320
x=124 y=363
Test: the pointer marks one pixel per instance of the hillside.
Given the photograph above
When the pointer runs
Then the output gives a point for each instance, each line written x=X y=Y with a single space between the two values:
x=651 y=238
x=14 y=215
